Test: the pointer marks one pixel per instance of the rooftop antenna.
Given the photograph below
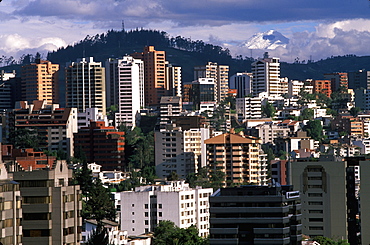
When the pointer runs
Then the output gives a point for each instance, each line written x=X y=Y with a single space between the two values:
x=123 y=25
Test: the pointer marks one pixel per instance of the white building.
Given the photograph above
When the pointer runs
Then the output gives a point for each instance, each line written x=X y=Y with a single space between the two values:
x=249 y=108
x=116 y=236
x=242 y=81
x=142 y=209
x=125 y=88
x=266 y=76
x=174 y=80
x=295 y=87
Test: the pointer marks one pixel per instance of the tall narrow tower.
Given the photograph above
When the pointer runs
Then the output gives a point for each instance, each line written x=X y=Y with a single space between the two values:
x=85 y=85
x=266 y=76
x=125 y=88
x=40 y=82
x=154 y=74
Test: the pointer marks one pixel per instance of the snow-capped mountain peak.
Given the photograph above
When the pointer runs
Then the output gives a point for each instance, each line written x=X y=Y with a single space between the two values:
x=266 y=40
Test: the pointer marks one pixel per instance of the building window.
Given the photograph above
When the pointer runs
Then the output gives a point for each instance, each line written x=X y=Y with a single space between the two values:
x=160 y=214
x=160 y=205
x=146 y=206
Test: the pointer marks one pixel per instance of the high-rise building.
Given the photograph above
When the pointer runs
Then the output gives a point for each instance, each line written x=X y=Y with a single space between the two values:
x=40 y=81
x=239 y=157
x=359 y=79
x=242 y=82
x=155 y=85
x=173 y=78
x=143 y=208
x=338 y=80
x=170 y=106
x=327 y=192
x=201 y=91
x=51 y=206
x=102 y=144
x=85 y=85
x=255 y=215
x=125 y=88
x=220 y=74
x=322 y=87
x=266 y=76
x=53 y=126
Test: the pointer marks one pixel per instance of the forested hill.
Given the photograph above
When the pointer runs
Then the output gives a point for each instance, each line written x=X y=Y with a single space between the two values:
x=187 y=53
x=179 y=51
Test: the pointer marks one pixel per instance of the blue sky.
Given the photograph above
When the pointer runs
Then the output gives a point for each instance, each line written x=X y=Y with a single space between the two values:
x=315 y=28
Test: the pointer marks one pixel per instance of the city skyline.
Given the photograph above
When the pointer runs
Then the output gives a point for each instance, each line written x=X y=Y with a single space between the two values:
x=316 y=29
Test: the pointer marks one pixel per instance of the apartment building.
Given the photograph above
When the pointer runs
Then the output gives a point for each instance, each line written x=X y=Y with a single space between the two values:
x=53 y=126
x=220 y=74
x=125 y=88
x=143 y=208
x=255 y=215
x=102 y=144
x=322 y=185
x=174 y=79
x=322 y=87
x=248 y=108
x=40 y=81
x=155 y=85
x=338 y=80
x=11 y=209
x=51 y=206
x=359 y=79
x=239 y=157
x=266 y=76
x=170 y=106
x=85 y=85
x=180 y=151
x=269 y=131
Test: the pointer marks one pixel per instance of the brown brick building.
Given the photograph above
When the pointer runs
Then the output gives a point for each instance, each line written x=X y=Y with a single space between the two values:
x=102 y=144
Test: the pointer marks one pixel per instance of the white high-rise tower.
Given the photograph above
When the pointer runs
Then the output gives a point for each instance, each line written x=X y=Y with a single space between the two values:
x=266 y=76
x=125 y=83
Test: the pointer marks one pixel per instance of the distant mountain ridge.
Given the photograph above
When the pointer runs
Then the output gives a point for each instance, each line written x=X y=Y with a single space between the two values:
x=186 y=53
x=266 y=40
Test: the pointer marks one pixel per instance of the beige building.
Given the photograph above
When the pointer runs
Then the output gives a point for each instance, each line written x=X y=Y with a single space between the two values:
x=40 y=81
x=11 y=210
x=220 y=74
x=239 y=157
x=51 y=206
x=85 y=85
x=155 y=85
x=322 y=186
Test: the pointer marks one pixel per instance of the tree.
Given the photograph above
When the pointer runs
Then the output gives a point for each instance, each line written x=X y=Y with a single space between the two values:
x=354 y=111
x=173 y=176
x=167 y=233
x=327 y=241
x=98 y=204
x=307 y=114
x=22 y=138
x=314 y=129
x=268 y=110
